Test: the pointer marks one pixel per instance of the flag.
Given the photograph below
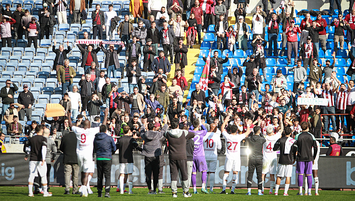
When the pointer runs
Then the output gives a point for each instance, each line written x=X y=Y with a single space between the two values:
x=206 y=71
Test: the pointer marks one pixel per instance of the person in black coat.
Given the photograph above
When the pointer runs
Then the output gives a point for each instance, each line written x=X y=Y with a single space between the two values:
x=17 y=27
x=87 y=89
x=149 y=52
x=217 y=61
x=198 y=94
x=181 y=56
x=250 y=64
x=161 y=62
x=60 y=55
x=166 y=37
x=111 y=59
x=98 y=22
x=133 y=75
x=221 y=36
x=153 y=33
x=133 y=50
x=234 y=75
x=214 y=81
x=45 y=21
x=70 y=160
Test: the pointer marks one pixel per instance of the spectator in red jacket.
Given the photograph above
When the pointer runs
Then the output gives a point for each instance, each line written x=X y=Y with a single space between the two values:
x=304 y=23
x=322 y=34
x=292 y=40
x=181 y=80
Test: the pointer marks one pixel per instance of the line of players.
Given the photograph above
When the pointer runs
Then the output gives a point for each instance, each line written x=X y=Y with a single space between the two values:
x=206 y=145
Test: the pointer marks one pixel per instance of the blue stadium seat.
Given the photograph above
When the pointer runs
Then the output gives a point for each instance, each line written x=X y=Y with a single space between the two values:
x=283 y=69
x=348 y=63
x=6 y=51
x=290 y=78
x=59 y=35
x=270 y=62
x=341 y=78
x=55 y=98
x=330 y=37
x=249 y=53
x=227 y=52
x=19 y=74
x=330 y=45
x=41 y=52
x=16 y=81
x=209 y=37
x=289 y=85
x=340 y=70
x=39 y=82
x=211 y=28
x=270 y=70
x=22 y=43
x=48 y=90
x=43 y=99
x=204 y=52
x=11 y=67
x=44 y=75
x=51 y=82
x=198 y=70
x=342 y=53
x=321 y=53
x=7 y=74
x=36 y=67
x=64 y=27
x=233 y=62
x=205 y=45
x=59 y=90
x=328 y=54
x=30 y=75
x=45 y=43
x=46 y=67
x=23 y=67
x=28 y=81
x=239 y=53
x=38 y=59
x=214 y=45
x=340 y=62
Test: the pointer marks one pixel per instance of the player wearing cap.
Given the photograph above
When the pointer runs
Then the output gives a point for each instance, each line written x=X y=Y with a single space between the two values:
x=269 y=155
x=212 y=144
x=255 y=143
x=199 y=160
x=232 y=162
x=305 y=141
x=288 y=150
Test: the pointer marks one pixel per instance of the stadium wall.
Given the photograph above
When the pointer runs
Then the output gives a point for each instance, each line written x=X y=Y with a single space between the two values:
x=334 y=172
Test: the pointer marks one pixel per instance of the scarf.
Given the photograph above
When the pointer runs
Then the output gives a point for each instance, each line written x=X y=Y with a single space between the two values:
x=275 y=24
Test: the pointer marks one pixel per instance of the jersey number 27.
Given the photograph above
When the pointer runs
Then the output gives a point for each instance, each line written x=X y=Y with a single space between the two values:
x=231 y=147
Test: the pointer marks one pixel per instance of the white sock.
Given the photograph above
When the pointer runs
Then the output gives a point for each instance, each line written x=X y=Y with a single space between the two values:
x=225 y=181
x=277 y=188
x=84 y=190
x=30 y=189
x=204 y=186
x=249 y=190
x=316 y=184
x=122 y=185
x=211 y=181
x=300 y=190
x=259 y=190
x=45 y=189
x=195 y=189
x=305 y=185
x=286 y=188
x=272 y=185
x=130 y=184
x=235 y=180
x=89 y=179
x=160 y=184
x=310 y=191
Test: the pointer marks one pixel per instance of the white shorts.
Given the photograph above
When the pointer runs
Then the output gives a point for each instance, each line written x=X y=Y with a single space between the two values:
x=126 y=168
x=86 y=163
x=270 y=166
x=285 y=171
x=35 y=168
x=232 y=165
x=211 y=165
x=315 y=165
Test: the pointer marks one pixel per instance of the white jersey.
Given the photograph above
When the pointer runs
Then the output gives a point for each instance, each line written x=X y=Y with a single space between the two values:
x=268 y=152
x=85 y=139
x=212 y=142
x=233 y=144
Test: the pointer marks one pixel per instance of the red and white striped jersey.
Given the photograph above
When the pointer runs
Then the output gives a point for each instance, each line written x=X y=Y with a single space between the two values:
x=342 y=99
x=330 y=96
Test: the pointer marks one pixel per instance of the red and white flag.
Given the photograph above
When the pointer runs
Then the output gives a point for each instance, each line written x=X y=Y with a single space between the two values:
x=206 y=71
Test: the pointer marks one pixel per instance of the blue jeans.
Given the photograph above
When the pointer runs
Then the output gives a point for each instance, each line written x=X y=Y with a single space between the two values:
x=85 y=68
x=188 y=12
x=273 y=40
x=107 y=102
x=317 y=47
x=111 y=69
x=125 y=39
x=131 y=87
x=329 y=110
x=4 y=108
x=74 y=113
x=66 y=87
x=134 y=111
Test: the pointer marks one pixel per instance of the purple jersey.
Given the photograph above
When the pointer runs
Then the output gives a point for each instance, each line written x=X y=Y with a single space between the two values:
x=198 y=142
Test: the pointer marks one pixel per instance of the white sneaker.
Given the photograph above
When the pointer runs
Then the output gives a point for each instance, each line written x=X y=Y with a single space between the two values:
x=83 y=194
x=80 y=190
x=174 y=195
x=30 y=195
x=90 y=191
x=47 y=194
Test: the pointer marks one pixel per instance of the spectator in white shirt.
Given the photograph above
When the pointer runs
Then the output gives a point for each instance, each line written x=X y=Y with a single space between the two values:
x=162 y=16
x=258 y=25
x=155 y=6
x=61 y=11
x=75 y=100
x=108 y=16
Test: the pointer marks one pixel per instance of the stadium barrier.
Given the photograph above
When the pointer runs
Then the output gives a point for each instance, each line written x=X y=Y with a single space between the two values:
x=334 y=172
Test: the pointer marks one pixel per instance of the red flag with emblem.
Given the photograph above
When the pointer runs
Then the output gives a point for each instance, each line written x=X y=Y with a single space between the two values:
x=206 y=71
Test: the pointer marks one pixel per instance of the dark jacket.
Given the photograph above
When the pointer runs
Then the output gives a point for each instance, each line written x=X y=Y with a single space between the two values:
x=214 y=81
x=120 y=28
x=130 y=48
x=350 y=71
x=26 y=99
x=4 y=94
x=57 y=53
x=314 y=33
x=130 y=74
x=84 y=92
x=174 y=111
x=85 y=53
x=68 y=147
x=235 y=78
x=97 y=72
x=153 y=142
x=147 y=52
x=123 y=102
x=181 y=55
x=104 y=92
x=101 y=15
x=153 y=35
x=17 y=17
x=115 y=55
x=254 y=84
x=198 y=96
x=225 y=25
x=249 y=67
x=104 y=146
x=303 y=51
x=171 y=36
x=220 y=62
x=94 y=107
x=244 y=27
x=286 y=21
x=162 y=63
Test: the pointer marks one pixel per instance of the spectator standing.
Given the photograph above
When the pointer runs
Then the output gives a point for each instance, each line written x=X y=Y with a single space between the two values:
x=300 y=75
x=242 y=31
x=217 y=61
x=175 y=91
x=292 y=40
x=99 y=83
x=154 y=7
x=286 y=17
x=140 y=32
x=93 y=72
x=250 y=64
x=45 y=21
x=106 y=89
x=273 y=32
x=254 y=83
x=88 y=56
x=323 y=33
x=214 y=81
x=5 y=30
x=133 y=50
x=175 y=7
x=66 y=103
x=65 y=75
x=123 y=102
x=125 y=30
x=304 y=32
x=76 y=8
x=220 y=29
x=219 y=9
x=136 y=8
x=308 y=52
x=329 y=94
x=315 y=73
x=180 y=56
x=32 y=33
x=181 y=80
x=191 y=30
x=167 y=39
x=93 y=107
x=60 y=55
x=61 y=6
x=153 y=33
x=17 y=27
x=87 y=89
x=25 y=20
x=178 y=27
x=104 y=147
x=111 y=60
x=161 y=62
x=137 y=101
x=162 y=17
x=235 y=74
x=331 y=6
x=133 y=75
x=314 y=31
x=51 y=152
x=328 y=69
x=7 y=10
x=75 y=100
x=259 y=52
x=340 y=27
x=109 y=15
x=198 y=13
x=162 y=96
x=98 y=22
x=26 y=99
x=7 y=95
x=198 y=94
x=258 y=25
x=279 y=82
x=149 y=53
x=207 y=8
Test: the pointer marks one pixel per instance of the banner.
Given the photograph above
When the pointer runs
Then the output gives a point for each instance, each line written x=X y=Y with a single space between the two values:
x=204 y=77
x=54 y=110
x=98 y=42
x=312 y=101
x=334 y=172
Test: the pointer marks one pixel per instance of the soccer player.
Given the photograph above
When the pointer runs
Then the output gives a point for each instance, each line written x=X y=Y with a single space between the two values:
x=85 y=147
x=177 y=156
x=269 y=155
x=256 y=143
x=288 y=151
x=305 y=141
x=37 y=146
x=126 y=144
x=315 y=170
x=199 y=160
x=232 y=162
x=212 y=144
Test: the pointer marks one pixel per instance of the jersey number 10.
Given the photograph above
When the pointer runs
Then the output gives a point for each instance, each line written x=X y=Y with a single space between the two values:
x=209 y=143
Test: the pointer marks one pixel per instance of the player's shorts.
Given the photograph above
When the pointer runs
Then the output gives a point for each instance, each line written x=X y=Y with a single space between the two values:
x=270 y=166
x=211 y=165
x=304 y=167
x=126 y=168
x=35 y=168
x=284 y=171
x=86 y=163
x=199 y=164
x=315 y=165
x=232 y=164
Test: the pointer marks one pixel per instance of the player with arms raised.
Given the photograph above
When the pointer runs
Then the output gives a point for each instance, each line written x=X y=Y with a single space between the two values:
x=232 y=162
